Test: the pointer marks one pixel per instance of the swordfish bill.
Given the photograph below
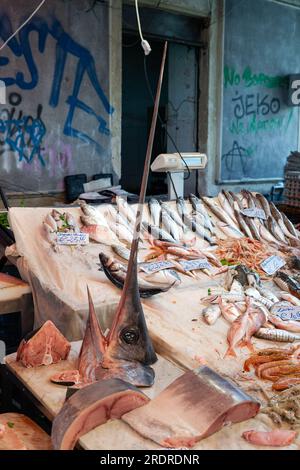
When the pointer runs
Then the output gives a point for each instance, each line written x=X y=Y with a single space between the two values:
x=129 y=339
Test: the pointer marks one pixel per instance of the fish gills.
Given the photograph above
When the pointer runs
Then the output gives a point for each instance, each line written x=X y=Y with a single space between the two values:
x=195 y=406
x=92 y=406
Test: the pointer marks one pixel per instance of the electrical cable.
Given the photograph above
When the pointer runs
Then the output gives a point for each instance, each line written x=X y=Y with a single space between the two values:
x=162 y=123
x=22 y=25
x=145 y=44
x=173 y=185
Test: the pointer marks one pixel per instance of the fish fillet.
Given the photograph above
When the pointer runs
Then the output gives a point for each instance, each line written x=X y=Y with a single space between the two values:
x=43 y=347
x=92 y=406
x=196 y=405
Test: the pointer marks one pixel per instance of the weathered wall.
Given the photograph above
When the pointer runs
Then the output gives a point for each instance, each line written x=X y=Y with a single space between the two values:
x=58 y=116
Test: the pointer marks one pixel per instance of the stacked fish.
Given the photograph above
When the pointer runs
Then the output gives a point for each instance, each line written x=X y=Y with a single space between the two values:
x=251 y=310
x=95 y=225
x=58 y=222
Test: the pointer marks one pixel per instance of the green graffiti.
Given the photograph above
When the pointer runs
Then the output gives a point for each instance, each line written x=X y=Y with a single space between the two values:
x=257 y=126
x=250 y=79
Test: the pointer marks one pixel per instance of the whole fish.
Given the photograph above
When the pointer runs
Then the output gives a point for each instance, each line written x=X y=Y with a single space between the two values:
x=289 y=226
x=199 y=208
x=254 y=293
x=226 y=206
x=182 y=208
x=56 y=215
x=248 y=196
x=229 y=311
x=193 y=224
x=274 y=334
x=264 y=204
x=117 y=277
x=71 y=222
x=211 y=314
x=268 y=294
x=125 y=209
x=170 y=225
x=122 y=251
x=158 y=233
x=287 y=283
x=155 y=210
x=51 y=222
x=100 y=234
x=257 y=318
x=253 y=228
x=237 y=332
x=276 y=214
x=91 y=211
x=274 y=229
x=236 y=199
x=289 y=298
x=266 y=235
x=51 y=237
x=174 y=215
x=229 y=231
x=289 y=325
x=218 y=211
x=241 y=222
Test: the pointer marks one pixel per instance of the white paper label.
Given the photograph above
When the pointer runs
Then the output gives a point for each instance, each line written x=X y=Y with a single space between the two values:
x=272 y=264
x=150 y=268
x=254 y=213
x=72 y=238
x=195 y=264
x=286 y=312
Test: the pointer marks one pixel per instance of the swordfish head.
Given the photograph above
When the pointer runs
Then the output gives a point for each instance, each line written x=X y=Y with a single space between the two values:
x=129 y=350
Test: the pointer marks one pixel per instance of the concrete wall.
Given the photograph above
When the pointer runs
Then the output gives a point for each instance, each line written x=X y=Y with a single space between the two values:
x=58 y=119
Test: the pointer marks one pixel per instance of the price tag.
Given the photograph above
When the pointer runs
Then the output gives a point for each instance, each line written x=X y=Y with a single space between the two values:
x=150 y=268
x=272 y=264
x=286 y=312
x=72 y=238
x=193 y=265
x=254 y=213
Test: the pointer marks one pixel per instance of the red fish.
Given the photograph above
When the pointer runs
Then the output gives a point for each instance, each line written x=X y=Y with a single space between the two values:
x=275 y=438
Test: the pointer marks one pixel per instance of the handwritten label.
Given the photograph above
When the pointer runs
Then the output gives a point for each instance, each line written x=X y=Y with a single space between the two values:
x=150 y=268
x=272 y=264
x=254 y=213
x=286 y=312
x=193 y=265
x=72 y=238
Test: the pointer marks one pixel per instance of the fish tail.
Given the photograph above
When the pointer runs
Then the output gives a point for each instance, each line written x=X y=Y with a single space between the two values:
x=230 y=352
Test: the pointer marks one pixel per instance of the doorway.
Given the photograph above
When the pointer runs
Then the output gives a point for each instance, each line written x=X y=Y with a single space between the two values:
x=177 y=126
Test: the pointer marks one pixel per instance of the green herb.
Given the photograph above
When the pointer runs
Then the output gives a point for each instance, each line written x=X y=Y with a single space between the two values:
x=10 y=425
x=4 y=219
x=208 y=291
x=224 y=262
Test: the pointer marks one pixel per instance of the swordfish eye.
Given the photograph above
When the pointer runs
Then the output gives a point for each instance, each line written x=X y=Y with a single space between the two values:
x=129 y=336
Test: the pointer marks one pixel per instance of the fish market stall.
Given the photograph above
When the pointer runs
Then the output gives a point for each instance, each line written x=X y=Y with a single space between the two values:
x=232 y=314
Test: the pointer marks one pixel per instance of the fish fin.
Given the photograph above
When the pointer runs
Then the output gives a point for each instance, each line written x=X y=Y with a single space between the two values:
x=230 y=352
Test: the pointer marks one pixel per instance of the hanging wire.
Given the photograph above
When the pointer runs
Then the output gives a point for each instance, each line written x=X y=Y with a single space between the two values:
x=22 y=25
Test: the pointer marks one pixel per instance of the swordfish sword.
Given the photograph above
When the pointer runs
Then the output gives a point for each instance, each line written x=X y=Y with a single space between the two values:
x=129 y=346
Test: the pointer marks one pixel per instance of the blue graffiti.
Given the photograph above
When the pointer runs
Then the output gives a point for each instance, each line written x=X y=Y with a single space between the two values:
x=65 y=45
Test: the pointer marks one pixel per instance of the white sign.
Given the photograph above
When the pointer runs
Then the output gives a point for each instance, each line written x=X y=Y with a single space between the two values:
x=69 y=238
x=195 y=264
x=254 y=213
x=286 y=312
x=272 y=264
x=294 y=90
x=150 y=268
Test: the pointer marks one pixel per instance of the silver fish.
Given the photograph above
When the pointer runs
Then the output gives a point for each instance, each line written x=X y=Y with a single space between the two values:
x=122 y=251
x=236 y=199
x=268 y=294
x=194 y=225
x=199 y=208
x=211 y=314
x=253 y=228
x=266 y=235
x=229 y=231
x=275 y=212
x=241 y=222
x=226 y=206
x=87 y=220
x=158 y=233
x=251 y=292
x=274 y=334
x=264 y=204
x=155 y=210
x=275 y=230
x=125 y=209
x=218 y=211
x=170 y=225
x=182 y=208
x=172 y=213
x=289 y=225
x=49 y=220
